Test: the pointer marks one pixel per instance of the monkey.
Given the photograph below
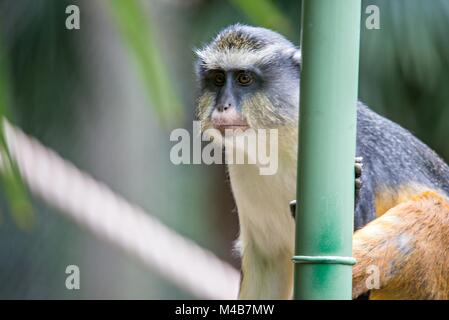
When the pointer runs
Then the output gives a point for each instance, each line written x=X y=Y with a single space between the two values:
x=249 y=78
x=404 y=253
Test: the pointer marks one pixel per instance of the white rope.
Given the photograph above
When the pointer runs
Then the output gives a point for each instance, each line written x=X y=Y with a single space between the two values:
x=107 y=215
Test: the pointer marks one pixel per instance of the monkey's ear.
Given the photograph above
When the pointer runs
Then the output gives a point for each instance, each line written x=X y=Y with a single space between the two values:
x=297 y=57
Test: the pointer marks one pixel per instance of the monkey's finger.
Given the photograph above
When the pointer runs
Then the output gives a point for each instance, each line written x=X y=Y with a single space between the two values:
x=358 y=169
x=358 y=184
x=292 y=205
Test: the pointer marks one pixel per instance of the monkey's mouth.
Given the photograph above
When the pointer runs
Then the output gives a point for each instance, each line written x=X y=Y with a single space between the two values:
x=230 y=128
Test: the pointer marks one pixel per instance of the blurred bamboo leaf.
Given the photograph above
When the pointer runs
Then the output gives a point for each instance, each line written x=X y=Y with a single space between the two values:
x=265 y=14
x=10 y=178
x=137 y=33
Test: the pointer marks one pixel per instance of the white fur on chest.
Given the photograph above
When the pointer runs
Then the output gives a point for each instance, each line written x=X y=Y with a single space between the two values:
x=262 y=202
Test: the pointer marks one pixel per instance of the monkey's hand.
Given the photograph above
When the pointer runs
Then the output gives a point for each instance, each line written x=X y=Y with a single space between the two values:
x=358 y=175
x=358 y=166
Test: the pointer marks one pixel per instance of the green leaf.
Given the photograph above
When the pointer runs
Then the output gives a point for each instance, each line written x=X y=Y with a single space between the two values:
x=136 y=31
x=10 y=179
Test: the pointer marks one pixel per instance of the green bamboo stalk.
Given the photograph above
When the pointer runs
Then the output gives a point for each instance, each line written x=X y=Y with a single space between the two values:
x=327 y=135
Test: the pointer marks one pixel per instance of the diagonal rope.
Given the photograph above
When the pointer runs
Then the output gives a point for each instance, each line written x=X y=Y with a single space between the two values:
x=94 y=206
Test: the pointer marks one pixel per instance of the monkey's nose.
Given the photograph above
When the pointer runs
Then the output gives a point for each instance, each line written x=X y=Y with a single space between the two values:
x=224 y=107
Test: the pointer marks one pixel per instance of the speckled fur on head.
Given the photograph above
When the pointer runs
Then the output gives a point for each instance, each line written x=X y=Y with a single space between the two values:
x=239 y=46
x=265 y=115
x=238 y=39
x=205 y=105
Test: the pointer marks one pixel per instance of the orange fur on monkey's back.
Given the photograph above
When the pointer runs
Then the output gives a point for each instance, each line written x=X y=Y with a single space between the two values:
x=387 y=197
x=409 y=246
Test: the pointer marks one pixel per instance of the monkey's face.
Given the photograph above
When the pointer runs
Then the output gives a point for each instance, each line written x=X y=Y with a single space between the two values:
x=249 y=78
x=226 y=92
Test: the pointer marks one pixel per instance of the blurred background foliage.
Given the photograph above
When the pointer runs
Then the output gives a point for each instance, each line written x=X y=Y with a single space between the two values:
x=106 y=96
x=11 y=182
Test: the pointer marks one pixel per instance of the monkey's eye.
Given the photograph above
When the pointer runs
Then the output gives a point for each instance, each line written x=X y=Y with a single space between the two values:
x=244 y=78
x=219 y=79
